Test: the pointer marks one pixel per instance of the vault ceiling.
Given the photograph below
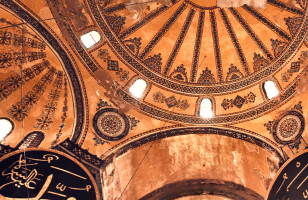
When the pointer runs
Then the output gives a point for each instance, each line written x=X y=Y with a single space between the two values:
x=185 y=50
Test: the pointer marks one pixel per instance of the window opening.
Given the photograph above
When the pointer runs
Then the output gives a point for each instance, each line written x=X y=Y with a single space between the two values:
x=6 y=127
x=33 y=139
x=90 y=39
x=138 y=88
x=270 y=89
x=206 y=108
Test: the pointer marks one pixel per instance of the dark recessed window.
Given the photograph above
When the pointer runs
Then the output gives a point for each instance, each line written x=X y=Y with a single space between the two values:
x=33 y=139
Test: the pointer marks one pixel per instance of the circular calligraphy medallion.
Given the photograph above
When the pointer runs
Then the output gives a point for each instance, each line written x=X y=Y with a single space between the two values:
x=291 y=179
x=110 y=125
x=45 y=174
x=289 y=127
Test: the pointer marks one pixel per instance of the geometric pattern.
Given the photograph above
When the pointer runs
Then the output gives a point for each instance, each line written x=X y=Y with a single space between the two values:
x=238 y=101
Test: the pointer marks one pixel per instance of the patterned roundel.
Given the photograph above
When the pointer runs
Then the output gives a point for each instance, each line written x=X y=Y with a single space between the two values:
x=289 y=127
x=36 y=173
x=110 y=125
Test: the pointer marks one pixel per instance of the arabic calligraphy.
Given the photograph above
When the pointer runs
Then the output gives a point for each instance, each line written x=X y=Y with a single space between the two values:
x=44 y=174
x=20 y=175
x=291 y=183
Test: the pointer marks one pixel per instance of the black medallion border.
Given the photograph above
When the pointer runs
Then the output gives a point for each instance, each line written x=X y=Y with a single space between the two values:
x=282 y=168
x=5 y=149
x=128 y=145
x=79 y=153
x=97 y=131
x=195 y=88
x=66 y=155
x=295 y=113
x=64 y=57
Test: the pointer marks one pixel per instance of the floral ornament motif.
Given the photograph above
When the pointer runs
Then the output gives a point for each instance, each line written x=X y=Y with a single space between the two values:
x=5 y=91
x=296 y=144
x=12 y=83
x=6 y=60
x=227 y=103
x=64 y=115
x=159 y=97
x=28 y=74
x=102 y=104
x=154 y=62
x=180 y=73
x=5 y=38
x=133 y=122
x=295 y=67
x=123 y=74
x=233 y=73
x=238 y=101
x=133 y=45
x=46 y=118
x=99 y=141
x=31 y=98
x=298 y=107
x=103 y=54
x=278 y=47
x=170 y=101
x=15 y=82
x=116 y=23
x=259 y=62
x=19 y=111
x=206 y=77
x=303 y=57
x=250 y=98
x=288 y=128
x=182 y=104
x=293 y=24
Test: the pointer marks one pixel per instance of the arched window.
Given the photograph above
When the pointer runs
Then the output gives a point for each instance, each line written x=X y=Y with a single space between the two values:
x=206 y=108
x=270 y=89
x=91 y=38
x=138 y=87
x=33 y=139
x=6 y=127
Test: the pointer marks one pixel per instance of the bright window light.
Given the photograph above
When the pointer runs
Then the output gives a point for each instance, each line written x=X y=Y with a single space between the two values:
x=6 y=127
x=206 y=108
x=138 y=88
x=270 y=89
x=91 y=38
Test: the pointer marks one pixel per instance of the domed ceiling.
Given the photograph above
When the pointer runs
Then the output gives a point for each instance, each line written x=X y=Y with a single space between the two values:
x=78 y=99
x=188 y=50
x=36 y=92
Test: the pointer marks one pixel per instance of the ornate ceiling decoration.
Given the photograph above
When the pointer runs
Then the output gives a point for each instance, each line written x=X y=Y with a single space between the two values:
x=39 y=86
x=219 y=50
